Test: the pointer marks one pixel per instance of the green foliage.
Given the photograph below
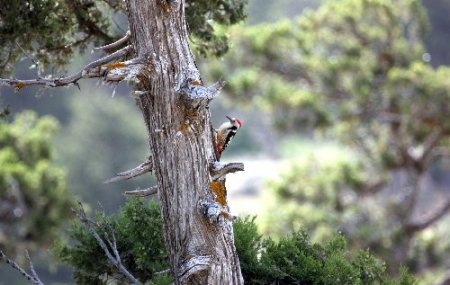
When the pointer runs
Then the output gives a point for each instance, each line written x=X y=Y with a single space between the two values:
x=32 y=188
x=52 y=30
x=306 y=75
x=248 y=246
x=204 y=19
x=138 y=232
x=320 y=196
x=294 y=259
x=4 y=113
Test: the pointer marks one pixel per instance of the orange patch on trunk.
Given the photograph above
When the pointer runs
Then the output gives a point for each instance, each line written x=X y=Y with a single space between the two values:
x=165 y=6
x=19 y=86
x=218 y=188
x=115 y=65
x=196 y=82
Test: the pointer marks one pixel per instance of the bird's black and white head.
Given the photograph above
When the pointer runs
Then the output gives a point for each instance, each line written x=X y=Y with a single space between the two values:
x=226 y=132
x=234 y=123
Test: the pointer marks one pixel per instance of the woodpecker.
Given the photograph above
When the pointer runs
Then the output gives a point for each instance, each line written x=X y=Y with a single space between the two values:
x=226 y=132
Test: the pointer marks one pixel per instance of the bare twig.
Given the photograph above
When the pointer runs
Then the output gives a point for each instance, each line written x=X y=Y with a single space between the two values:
x=165 y=271
x=113 y=46
x=139 y=170
x=33 y=59
x=115 y=260
x=34 y=279
x=87 y=71
x=142 y=193
x=33 y=272
x=219 y=170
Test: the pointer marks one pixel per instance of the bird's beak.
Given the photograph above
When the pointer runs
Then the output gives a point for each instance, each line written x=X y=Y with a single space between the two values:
x=231 y=120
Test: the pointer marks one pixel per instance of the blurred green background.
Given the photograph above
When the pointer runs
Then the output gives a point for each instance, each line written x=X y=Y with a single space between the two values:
x=346 y=128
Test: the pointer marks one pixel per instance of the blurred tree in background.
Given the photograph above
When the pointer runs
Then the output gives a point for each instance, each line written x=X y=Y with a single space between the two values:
x=357 y=72
x=89 y=145
x=33 y=191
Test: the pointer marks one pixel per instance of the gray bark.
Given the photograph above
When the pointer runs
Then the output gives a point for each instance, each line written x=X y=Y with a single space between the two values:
x=181 y=145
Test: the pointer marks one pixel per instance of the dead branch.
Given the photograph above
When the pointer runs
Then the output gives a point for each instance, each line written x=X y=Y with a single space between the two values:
x=142 y=193
x=219 y=170
x=115 y=260
x=33 y=59
x=115 y=45
x=33 y=272
x=165 y=271
x=89 y=71
x=139 y=170
x=34 y=279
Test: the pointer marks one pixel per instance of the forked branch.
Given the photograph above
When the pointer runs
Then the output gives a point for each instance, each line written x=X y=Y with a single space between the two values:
x=33 y=277
x=91 y=70
x=112 y=252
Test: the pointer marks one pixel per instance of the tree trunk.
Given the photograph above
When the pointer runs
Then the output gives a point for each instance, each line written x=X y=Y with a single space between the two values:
x=181 y=145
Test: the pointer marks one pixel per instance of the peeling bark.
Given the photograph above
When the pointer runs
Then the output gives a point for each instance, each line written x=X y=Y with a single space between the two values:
x=180 y=141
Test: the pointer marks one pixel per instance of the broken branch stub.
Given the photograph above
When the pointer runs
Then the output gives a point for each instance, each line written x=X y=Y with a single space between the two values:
x=219 y=170
x=142 y=193
x=198 y=94
x=139 y=170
